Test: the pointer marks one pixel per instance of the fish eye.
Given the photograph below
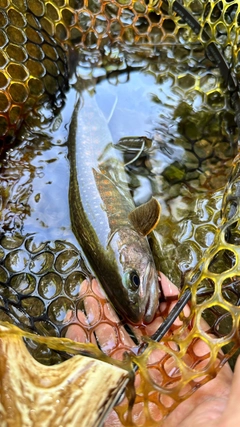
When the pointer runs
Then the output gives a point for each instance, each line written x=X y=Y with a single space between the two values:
x=131 y=280
x=135 y=280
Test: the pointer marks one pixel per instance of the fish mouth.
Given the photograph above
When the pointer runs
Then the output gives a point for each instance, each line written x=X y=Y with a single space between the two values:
x=148 y=314
x=152 y=302
x=151 y=308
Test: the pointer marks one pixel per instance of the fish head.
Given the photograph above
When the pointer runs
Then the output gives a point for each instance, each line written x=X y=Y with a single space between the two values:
x=139 y=279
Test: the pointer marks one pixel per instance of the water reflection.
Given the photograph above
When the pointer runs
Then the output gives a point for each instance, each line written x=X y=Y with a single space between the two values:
x=186 y=154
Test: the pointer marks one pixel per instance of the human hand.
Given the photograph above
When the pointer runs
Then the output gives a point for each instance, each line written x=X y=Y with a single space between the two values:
x=208 y=404
x=103 y=328
x=216 y=404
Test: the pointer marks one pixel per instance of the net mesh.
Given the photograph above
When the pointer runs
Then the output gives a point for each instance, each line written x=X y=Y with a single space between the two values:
x=45 y=287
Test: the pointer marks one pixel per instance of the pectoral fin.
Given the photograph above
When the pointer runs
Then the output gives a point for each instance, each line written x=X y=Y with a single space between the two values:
x=146 y=217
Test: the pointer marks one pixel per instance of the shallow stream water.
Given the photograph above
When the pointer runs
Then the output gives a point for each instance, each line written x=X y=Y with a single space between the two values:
x=169 y=112
x=173 y=114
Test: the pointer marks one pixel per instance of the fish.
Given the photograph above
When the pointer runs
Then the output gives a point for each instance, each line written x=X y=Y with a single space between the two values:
x=111 y=231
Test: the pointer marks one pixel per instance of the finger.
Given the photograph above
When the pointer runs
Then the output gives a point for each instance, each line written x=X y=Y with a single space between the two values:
x=206 y=406
x=75 y=331
x=170 y=294
x=97 y=311
x=170 y=291
x=111 y=330
x=232 y=413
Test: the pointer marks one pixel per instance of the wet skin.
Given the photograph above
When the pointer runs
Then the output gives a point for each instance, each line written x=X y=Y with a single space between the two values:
x=212 y=403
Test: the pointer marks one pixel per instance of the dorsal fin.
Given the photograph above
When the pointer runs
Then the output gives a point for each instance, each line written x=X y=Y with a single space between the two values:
x=145 y=218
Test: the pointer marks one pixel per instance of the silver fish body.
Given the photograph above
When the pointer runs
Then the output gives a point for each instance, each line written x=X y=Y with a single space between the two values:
x=100 y=203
